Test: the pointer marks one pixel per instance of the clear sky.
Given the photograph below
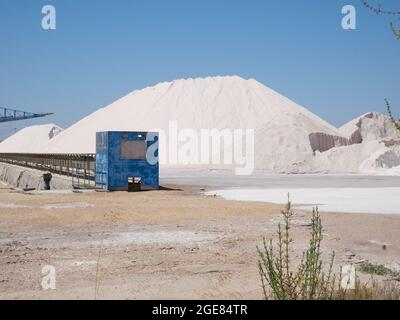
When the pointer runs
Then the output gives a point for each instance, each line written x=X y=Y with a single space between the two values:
x=102 y=50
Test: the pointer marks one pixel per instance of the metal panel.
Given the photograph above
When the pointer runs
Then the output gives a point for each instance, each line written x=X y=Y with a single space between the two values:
x=133 y=150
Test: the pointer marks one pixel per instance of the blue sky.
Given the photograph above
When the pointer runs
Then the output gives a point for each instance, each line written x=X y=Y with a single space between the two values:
x=103 y=50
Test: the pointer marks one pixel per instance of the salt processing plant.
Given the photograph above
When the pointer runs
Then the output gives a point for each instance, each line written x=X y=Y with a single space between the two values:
x=228 y=151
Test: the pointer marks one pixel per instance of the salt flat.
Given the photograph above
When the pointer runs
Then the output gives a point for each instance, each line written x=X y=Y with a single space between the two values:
x=332 y=193
x=352 y=200
x=211 y=180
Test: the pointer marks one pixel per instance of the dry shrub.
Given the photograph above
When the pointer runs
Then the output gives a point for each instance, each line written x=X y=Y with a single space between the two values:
x=311 y=280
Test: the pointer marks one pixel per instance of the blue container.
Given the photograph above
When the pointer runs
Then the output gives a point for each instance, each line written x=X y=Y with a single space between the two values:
x=127 y=161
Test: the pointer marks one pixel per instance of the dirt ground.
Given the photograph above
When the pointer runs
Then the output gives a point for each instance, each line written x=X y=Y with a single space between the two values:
x=168 y=244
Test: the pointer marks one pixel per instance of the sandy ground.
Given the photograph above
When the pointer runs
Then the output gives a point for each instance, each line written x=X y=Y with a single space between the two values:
x=169 y=244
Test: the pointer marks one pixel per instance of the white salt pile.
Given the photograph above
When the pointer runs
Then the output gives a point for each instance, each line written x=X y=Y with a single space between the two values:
x=281 y=126
x=288 y=138
x=30 y=140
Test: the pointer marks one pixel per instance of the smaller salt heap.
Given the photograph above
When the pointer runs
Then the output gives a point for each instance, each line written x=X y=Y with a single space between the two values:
x=30 y=139
x=373 y=148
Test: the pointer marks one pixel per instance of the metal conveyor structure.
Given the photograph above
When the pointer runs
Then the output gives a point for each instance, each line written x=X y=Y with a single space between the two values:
x=80 y=167
x=7 y=115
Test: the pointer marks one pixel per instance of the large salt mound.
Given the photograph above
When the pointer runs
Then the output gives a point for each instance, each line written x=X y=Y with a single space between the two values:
x=281 y=126
x=30 y=139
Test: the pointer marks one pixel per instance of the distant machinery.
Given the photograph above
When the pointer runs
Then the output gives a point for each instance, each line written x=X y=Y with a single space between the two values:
x=7 y=115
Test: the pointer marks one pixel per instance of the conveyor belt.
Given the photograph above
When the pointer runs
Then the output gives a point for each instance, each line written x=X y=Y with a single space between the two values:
x=81 y=167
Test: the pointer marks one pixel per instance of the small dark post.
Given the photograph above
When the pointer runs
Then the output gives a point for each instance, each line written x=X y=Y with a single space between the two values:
x=47 y=178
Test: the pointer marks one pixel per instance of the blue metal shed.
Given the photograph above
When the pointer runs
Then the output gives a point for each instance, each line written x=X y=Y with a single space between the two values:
x=127 y=161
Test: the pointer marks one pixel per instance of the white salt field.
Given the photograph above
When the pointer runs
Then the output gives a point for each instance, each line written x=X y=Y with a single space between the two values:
x=331 y=193
x=351 y=200
x=212 y=180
